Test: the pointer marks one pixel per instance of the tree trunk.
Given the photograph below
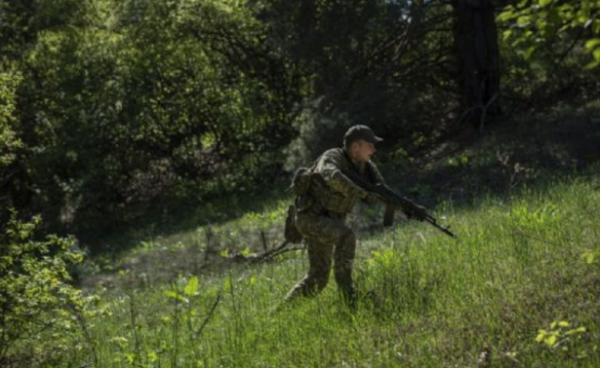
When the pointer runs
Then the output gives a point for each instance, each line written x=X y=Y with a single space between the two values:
x=476 y=42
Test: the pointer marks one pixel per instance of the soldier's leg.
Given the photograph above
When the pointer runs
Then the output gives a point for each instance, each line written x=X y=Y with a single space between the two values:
x=344 y=259
x=321 y=233
x=319 y=258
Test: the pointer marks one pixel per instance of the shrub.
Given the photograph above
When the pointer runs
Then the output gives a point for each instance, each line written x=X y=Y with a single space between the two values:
x=35 y=294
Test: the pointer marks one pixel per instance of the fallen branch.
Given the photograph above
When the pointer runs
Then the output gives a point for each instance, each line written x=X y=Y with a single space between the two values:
x=266 y=256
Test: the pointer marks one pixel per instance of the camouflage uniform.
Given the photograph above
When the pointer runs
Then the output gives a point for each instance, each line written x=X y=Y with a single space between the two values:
x=320 y=217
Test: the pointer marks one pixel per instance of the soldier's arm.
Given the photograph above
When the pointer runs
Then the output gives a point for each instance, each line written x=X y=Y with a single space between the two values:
x=329 y=167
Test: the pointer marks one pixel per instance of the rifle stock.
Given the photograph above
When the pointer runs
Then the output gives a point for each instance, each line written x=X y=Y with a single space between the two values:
x=394 y=200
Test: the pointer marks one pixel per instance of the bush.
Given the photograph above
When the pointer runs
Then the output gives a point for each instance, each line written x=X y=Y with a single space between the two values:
x=35 y=294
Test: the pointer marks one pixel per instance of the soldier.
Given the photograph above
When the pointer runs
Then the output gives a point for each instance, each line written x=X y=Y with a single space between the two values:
x=321 y=213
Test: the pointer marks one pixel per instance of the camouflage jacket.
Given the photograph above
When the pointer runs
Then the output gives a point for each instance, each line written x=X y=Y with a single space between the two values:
x=330 y=189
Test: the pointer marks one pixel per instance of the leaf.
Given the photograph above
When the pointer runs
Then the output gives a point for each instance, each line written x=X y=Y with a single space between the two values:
x=576 y=331
x=523 y=20
x=506 y=15
x=527 y=53
x=589 y=257
x=566 y=8
x=152 y=357
x=550 y=340
x=173 y=295
x=583 y=18
x=225 y=253
x=130 y=357
x=564 y=324
x=541 y=335
x=518 y=41
x=192 y=286
x=228 y=286
x=597 y=54
x=545 y=2
x=541 y=24
x=591 y=44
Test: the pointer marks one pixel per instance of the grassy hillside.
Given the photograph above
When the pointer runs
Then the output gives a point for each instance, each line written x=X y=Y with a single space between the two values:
x=519 y=287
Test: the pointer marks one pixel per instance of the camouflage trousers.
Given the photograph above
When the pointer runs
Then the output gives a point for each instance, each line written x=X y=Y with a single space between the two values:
x=329 y=241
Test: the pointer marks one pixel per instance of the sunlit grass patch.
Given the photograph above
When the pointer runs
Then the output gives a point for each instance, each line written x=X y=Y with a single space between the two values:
x=504 y=291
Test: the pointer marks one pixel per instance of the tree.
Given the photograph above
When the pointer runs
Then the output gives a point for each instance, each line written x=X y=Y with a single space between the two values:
x=478 y=55
x=10 y=144
x=150 y=103
x=382 y=63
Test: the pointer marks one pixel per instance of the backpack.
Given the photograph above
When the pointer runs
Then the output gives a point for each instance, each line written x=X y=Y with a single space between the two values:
x=300 y=185
x=291 y=233
x=301 y=180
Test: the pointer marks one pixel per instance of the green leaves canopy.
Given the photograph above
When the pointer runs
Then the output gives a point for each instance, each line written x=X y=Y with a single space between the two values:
x=534 y=22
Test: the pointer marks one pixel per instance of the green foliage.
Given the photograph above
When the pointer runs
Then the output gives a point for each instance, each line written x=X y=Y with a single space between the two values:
x=559 y=333
x=129 y=110
x=533 y=23
x=125 y=106
x=522 y=217
x=458 y=161
x=363 y=62
x=9 y=142
x=590 y=256
x=35 y=290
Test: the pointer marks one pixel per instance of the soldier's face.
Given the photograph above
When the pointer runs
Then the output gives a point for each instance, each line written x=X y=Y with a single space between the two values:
x=363 y=150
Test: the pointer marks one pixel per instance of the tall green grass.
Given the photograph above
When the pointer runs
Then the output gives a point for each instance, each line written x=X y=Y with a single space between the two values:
x=520 y=286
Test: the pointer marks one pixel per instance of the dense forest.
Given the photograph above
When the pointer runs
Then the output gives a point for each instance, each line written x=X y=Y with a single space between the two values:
x=115 y=109
x=118 y=116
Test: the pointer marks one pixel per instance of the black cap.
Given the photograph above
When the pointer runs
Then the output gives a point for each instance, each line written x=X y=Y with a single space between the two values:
x=360 y=132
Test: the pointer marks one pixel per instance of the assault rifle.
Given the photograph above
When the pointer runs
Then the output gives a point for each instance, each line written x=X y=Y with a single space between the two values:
x=395 y=200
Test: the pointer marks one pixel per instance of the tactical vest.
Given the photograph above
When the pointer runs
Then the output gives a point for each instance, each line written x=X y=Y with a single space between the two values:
x=314 y=194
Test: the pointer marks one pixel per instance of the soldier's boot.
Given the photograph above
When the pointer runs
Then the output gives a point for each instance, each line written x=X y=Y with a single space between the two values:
x=309 y=286
x=350 y=298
